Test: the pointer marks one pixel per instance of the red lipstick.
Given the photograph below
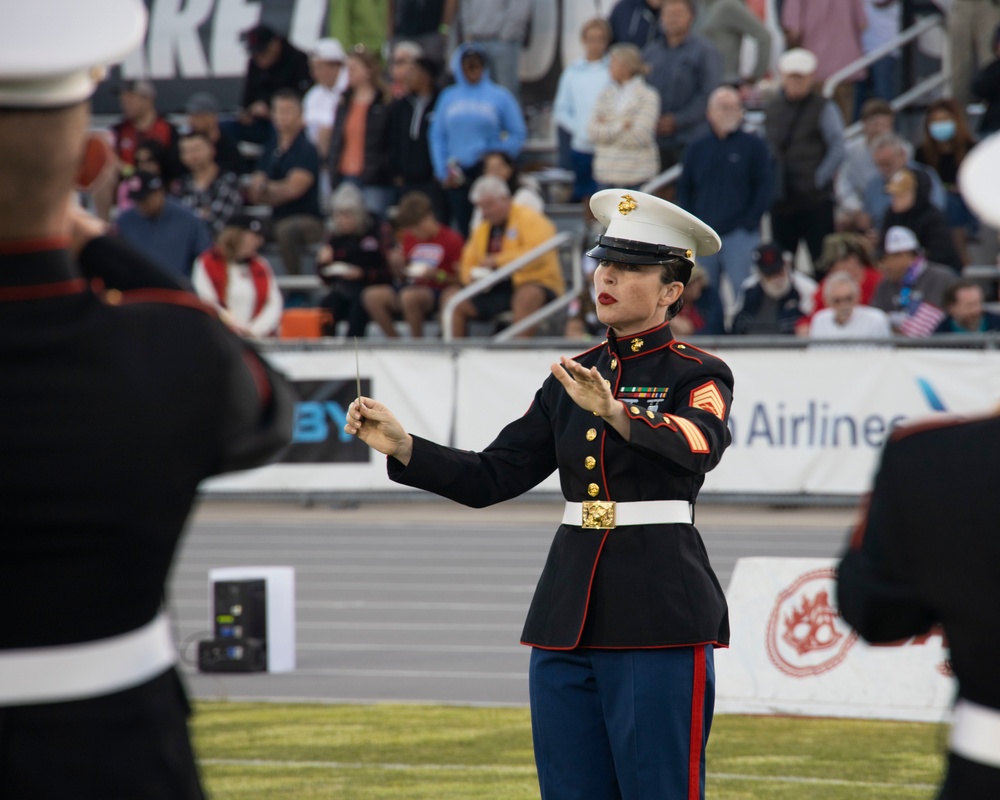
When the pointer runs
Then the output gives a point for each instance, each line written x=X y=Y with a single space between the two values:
x=606 y=299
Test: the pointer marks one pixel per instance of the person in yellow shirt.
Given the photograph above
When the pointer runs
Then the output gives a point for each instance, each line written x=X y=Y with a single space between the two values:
x=507 y=232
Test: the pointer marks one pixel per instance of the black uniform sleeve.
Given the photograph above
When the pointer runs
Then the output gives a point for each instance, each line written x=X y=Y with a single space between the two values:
x=873 y=592
x=259 y=408
x=521 y=457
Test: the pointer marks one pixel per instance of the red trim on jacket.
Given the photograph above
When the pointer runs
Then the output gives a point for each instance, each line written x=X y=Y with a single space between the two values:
x=697 y=725
x=217 y=270
x=42 y=291
x=175 y=297
x=14 y=247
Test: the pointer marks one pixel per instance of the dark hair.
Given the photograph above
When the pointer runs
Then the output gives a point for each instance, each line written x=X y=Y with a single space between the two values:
x=166 y=161
x=951 y=293
x=876 y=107
x=286 y=93
x=677 y=270
x=198 y=135
x=514 y=181
x=413 y=207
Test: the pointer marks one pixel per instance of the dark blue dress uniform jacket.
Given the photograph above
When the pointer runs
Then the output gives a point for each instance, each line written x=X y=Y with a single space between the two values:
x=928 y=553
x=633 y=586
x=115 y=404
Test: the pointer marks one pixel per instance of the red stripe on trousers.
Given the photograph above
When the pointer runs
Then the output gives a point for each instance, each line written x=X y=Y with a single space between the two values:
x=697 y=724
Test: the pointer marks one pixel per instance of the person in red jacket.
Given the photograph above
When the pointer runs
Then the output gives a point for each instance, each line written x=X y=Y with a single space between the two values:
x=234 y=277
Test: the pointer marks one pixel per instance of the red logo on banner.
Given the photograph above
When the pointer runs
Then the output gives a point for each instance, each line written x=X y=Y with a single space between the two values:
x=805 y=635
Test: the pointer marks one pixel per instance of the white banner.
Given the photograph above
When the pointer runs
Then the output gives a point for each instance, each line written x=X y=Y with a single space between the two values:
x=792 y=654
x=803 y=421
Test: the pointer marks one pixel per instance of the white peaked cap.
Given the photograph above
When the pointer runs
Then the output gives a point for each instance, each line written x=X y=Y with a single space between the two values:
x=644 y=220
x=979 y=180
x=54 y=52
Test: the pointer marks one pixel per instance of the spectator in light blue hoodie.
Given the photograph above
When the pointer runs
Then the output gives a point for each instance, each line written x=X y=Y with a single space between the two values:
x=579 y=85
x=472 y=117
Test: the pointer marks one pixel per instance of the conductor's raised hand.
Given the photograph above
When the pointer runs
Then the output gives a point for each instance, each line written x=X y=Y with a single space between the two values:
x=591 y=392
x=375 y=425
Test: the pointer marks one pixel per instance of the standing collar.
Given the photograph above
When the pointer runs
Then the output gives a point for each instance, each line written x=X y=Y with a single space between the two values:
x=638 y=344
x=36 y=268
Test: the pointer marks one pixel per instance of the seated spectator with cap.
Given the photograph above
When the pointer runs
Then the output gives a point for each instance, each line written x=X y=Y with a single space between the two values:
x=160 y=227
x=912 y=289
x=425 y=264
x=287 y=180
x=214 y=195
x=963 y=303
x=319 y=106
x=203 y=117
x=844 y=317
x=506 y=233
x=274 y=64
x=234 y=277
x=910 y=208
x=776 y=298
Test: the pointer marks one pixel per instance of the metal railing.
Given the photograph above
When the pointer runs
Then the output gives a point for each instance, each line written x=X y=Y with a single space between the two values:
x=502 y=273
x=918 y=90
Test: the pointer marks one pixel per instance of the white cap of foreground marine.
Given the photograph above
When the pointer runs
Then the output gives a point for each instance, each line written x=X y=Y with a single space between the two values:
x=54 y=52
x=643 y=229
x=978 y=178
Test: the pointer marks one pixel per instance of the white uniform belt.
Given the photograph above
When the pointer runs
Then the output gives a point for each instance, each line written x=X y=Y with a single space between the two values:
x=975 y=733
x=605 y=514
x=89 y=669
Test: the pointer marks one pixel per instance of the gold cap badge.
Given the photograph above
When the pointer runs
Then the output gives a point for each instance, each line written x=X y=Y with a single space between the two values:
x=626 y=205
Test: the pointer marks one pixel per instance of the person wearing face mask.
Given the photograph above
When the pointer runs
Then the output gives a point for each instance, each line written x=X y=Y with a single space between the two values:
x=776 y=299
x=727 y=181
x=946 y=141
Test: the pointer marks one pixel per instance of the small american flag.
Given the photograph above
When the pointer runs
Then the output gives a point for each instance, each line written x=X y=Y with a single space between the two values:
x=922 y=320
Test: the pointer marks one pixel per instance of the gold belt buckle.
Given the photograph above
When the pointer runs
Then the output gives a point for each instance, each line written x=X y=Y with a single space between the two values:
x=599 y=514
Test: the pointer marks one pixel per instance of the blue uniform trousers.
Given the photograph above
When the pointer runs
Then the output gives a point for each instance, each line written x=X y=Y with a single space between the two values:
x=622 y=724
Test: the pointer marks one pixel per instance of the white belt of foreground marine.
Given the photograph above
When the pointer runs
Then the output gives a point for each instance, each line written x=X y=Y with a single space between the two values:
x=89 y=669
x=975 y=733
x=645 y=512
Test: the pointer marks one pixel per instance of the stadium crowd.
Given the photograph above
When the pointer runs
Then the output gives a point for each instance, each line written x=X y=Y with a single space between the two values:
x=397 y=183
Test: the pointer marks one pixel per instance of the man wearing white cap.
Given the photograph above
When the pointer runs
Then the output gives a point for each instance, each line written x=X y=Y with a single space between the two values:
x=926 y=554
x=806 y=135
x=120 y=392
x=627 y=610
x=912 y=289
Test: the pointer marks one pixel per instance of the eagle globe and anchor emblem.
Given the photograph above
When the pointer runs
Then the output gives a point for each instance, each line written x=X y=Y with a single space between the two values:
x=805 y=634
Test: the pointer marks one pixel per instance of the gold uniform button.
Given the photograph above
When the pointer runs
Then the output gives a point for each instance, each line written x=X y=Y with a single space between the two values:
x=681 y=347
x=650 y=414
x=591 y=434
x=607 y=383
x=593 y=490
x=635 y=410
x=614 y=363
x=590 y=462
x=113 y=297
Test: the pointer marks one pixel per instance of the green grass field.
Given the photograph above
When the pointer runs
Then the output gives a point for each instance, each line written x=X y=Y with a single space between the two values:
x=385 y=752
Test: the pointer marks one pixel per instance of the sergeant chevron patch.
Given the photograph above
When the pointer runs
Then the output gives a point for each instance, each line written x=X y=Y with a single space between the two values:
x=695 y=438
x=708 y=398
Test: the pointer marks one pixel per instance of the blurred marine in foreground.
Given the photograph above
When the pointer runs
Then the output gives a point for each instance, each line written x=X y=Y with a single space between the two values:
x=119 y=393
x=928 y=553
